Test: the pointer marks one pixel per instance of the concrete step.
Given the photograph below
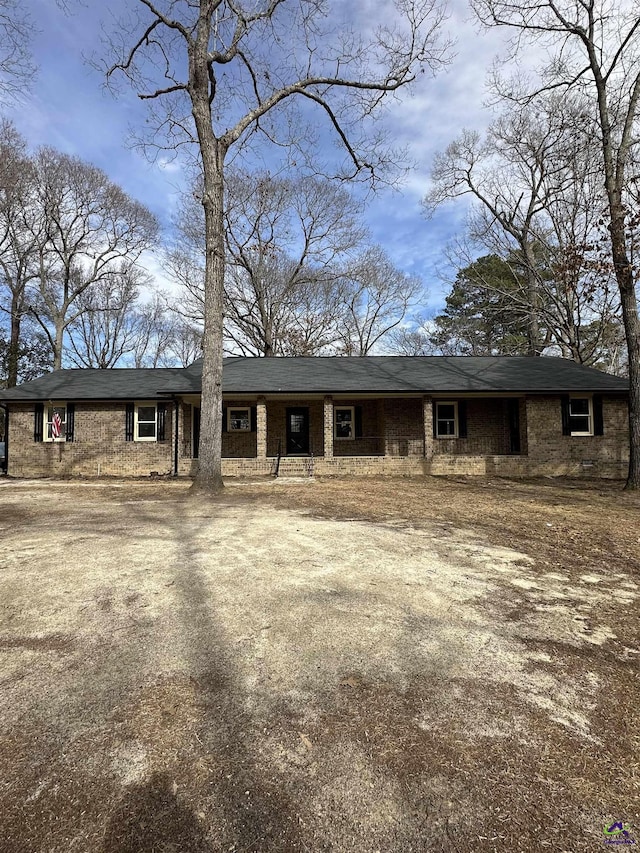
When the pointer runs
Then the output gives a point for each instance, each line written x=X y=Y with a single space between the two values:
x=297 y=467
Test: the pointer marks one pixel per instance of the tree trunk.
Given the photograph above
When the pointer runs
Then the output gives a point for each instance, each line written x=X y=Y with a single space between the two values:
x=533 y=301
x=633 y=343
x=57 y=346
x=14 y=344
x=213 y=152
x=632 y=332
x=209 y=475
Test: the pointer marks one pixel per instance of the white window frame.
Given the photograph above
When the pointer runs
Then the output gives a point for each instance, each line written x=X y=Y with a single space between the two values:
x=246 y=409
x=351 y=409
x=456 y=420
x=589 y=399
x=150 y=404
x=48 y=420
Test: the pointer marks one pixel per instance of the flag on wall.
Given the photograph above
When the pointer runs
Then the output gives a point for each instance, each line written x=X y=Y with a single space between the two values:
x=56 y=425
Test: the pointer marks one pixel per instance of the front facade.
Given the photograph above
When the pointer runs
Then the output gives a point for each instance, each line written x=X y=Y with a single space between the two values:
x=327 y=416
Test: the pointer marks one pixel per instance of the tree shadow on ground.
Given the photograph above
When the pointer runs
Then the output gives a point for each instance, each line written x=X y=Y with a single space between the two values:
x=239 y=802
x=149 y=817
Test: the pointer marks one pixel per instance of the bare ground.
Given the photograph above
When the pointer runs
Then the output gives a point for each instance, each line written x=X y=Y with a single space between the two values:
x=393 y=666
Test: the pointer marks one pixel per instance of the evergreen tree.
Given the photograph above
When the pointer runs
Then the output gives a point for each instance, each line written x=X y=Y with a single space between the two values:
x=482 y=315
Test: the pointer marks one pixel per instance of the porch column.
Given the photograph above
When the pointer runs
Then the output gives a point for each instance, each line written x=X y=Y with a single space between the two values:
x=176 y=434
x=328 y=427
x=427 y=425
x=261 y=428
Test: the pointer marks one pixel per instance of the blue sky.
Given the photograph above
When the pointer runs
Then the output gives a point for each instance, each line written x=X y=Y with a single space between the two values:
x=69 y=109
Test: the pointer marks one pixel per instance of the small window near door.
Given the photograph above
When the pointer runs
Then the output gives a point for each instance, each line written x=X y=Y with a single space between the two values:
x=344 y=422
x=239 y=419
x=297 y=423
x=446 y=420
x=581 y=416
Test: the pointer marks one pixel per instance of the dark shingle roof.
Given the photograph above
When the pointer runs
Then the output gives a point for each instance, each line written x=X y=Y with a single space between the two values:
x=387 y=374
x=88 y=384
x=373 y=374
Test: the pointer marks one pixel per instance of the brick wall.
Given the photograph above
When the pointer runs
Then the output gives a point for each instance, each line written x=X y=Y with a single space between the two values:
x=403 y=427
x=327 y=433
x=372 y=466
x=261 y=428
x=239 y=444
x=551 y=453
x=367 y=466
x=487 y=430
x=371 y=442
x=98 y=449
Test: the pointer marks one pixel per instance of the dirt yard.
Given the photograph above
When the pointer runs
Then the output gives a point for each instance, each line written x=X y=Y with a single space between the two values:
x=391 y=666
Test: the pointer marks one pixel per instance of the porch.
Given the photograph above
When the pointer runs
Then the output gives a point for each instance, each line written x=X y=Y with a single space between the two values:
x=324 y=435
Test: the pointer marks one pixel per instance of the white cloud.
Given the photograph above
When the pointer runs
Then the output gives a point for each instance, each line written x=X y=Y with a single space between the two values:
x=161 y=277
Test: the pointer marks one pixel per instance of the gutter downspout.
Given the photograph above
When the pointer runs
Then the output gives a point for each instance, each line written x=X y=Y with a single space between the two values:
x=5 y=406
x=175 y=437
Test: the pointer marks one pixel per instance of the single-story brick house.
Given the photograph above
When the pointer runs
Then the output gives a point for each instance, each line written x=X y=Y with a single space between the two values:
x=511 y=416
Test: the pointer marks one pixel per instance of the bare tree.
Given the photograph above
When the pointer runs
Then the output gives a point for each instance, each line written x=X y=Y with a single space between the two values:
x=410 y=340
x=161 y=336
x=87 y=227
x=19 y=237
x=375 y=299
x=16 y=63
x=285 y=238
x=577 y=304
x=538 y=205
x=34 y=354
x=106 y=327
x=593 y=49
x=230 y=65
x=509 y=174
x=155 y=332
x=186 y=345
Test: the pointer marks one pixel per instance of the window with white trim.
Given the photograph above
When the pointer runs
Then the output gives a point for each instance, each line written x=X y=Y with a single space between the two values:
x=239 y=419
x=581 y=415
x=145 y=422
x=446 y=419
x=344 y=422
x=55 y=422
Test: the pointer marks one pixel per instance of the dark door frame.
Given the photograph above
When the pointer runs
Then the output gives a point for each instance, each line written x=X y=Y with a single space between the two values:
x=298 y=440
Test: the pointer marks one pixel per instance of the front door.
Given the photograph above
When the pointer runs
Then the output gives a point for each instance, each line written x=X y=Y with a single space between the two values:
x=297 y=430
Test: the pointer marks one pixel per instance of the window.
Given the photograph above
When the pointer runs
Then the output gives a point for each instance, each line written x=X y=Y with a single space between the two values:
x=56 y=422
x=145 y=422
x=344 y=422
x=580 y=416
x=446 y=420
x=239 y=419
